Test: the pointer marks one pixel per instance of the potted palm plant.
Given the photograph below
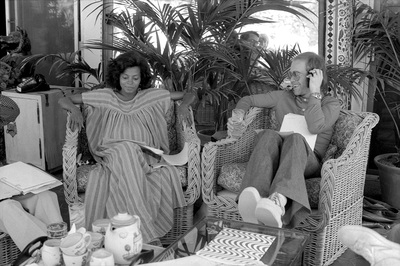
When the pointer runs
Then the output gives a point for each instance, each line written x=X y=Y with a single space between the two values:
x=377 y=35
x=192 y=46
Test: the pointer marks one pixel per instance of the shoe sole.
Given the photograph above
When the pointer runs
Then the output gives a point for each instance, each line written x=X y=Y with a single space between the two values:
x=248 y=200
x=267 y=213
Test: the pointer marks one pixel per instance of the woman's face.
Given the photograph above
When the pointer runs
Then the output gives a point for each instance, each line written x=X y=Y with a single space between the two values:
x=129 y=80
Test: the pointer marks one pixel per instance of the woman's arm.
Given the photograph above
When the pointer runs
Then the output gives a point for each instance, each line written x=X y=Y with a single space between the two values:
x=188 y=98
x=69 y=104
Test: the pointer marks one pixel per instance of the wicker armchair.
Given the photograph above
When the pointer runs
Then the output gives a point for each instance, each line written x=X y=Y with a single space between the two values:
x=178 y=135
x=341 y=186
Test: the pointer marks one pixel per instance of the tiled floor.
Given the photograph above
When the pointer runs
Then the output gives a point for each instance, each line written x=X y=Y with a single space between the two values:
x=349 y=258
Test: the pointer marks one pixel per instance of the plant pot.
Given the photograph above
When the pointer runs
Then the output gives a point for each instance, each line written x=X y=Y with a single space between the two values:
x=205 y=135
x=389 y=177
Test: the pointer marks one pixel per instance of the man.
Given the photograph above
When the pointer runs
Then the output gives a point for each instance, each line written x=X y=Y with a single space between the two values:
x=273 y=190
x=25 y=218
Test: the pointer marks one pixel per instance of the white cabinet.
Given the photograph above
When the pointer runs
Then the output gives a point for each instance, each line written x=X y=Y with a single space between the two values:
x=40 y=129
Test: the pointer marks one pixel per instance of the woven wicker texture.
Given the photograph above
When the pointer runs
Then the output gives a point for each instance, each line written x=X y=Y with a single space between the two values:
x=8 y=250
x=340 y=196
x=183 y=217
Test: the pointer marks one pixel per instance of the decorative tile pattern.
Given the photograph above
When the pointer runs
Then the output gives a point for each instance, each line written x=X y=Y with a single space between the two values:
x=338 y=37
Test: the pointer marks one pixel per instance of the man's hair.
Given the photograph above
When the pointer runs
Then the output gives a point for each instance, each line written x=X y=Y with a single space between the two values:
x=315 y=61
x=246 y=35
x=126 y=60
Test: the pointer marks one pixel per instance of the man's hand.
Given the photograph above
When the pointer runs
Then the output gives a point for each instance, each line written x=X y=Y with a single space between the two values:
x=316 y=76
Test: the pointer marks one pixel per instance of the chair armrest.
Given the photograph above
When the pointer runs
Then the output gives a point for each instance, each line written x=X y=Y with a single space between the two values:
x=343 y=179
x=225 y=151
x=188 y=134
x=69 y=154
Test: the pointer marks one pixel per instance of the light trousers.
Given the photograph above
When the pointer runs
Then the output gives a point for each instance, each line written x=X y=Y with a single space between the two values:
x=25 y=218
x=281 y=164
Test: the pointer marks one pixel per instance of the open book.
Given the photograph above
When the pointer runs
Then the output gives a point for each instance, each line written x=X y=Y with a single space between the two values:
x=293 y=123
x=20 y=178
x=177 y=159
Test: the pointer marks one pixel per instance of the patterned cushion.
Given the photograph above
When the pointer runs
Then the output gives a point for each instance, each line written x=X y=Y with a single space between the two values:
x=231 y=176
x=313 y=186
x=342 y=132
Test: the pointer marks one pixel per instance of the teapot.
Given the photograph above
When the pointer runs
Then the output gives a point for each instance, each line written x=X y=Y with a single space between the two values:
x=123 y=238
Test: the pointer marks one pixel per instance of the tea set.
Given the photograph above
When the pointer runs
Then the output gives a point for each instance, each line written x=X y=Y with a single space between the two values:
x=115 y=241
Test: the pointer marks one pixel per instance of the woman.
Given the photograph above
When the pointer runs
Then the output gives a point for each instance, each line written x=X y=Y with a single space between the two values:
x=124 y=181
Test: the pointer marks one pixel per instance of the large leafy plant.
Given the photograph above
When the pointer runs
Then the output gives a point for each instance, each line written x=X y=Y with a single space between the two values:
x=376 y=36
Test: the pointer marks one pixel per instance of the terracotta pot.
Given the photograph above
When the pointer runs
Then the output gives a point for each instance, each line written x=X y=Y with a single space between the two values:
x=389 y=177
x=205 y=135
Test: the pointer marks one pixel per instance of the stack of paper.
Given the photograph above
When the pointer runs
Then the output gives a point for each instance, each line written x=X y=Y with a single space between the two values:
x=21 y=178
x=297 y=124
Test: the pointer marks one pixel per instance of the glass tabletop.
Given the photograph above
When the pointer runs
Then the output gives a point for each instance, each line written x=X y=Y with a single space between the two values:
x=286 y=249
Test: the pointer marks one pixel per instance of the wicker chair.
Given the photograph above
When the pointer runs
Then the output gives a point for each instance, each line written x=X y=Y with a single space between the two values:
x=178 y=135
x=341 y=185
x=9 y=251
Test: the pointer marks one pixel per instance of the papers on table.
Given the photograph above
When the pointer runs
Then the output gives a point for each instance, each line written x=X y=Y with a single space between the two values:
x=21 y=178
x=237 y=247
x=293 y=123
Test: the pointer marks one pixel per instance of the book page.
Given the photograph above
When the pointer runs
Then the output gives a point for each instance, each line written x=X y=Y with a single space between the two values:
x=177 y=159
x=234 y=246
x=297 y=124
x=7 y=191
x=140 y=143
x=25 y=177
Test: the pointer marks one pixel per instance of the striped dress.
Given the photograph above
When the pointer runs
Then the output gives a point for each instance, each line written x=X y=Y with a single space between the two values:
x=123 y=181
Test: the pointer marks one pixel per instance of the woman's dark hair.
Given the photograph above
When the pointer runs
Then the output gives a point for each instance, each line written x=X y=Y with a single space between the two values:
x=126 y=60
x=315 y=61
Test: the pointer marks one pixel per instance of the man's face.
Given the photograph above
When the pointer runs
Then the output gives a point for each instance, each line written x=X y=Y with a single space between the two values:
x=253 y=40
x=298 y=77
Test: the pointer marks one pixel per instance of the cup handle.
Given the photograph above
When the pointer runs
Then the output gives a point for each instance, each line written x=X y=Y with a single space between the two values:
x=87 y=238
x=138 y=219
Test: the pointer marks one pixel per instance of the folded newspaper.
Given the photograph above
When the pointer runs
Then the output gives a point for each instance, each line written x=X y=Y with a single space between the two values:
x=20 y=178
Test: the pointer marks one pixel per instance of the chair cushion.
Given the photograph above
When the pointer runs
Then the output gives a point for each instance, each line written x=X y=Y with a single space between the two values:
x=342 y=132
x=82 y=173
x=232 y=175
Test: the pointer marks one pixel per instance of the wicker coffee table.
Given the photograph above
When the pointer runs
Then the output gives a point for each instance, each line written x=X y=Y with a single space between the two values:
x=286 y=249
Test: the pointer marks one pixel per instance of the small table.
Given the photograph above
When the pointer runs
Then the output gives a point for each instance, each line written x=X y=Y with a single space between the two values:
x=287 y=248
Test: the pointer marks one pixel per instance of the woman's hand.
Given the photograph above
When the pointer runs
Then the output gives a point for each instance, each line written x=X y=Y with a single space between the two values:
x=184 y=114
x=76 y=120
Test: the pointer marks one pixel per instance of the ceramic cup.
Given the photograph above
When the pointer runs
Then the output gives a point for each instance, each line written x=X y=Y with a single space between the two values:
x=79 y=260
x=51 y=253
x=100 y=226
x=57 y=230
x=75 y=244
x=97 y=240
x=101 y=257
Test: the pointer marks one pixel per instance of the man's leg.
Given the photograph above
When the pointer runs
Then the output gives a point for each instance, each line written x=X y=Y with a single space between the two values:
x=297 y=160
x=19 y=224
x=43 y=206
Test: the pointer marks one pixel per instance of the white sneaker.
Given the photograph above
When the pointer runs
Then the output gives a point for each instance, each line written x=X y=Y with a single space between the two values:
x=375 y=248
x=248 y=200
x=269 y=211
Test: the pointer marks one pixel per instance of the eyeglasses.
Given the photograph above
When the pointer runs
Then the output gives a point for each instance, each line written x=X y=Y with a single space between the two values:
x=295 y=75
